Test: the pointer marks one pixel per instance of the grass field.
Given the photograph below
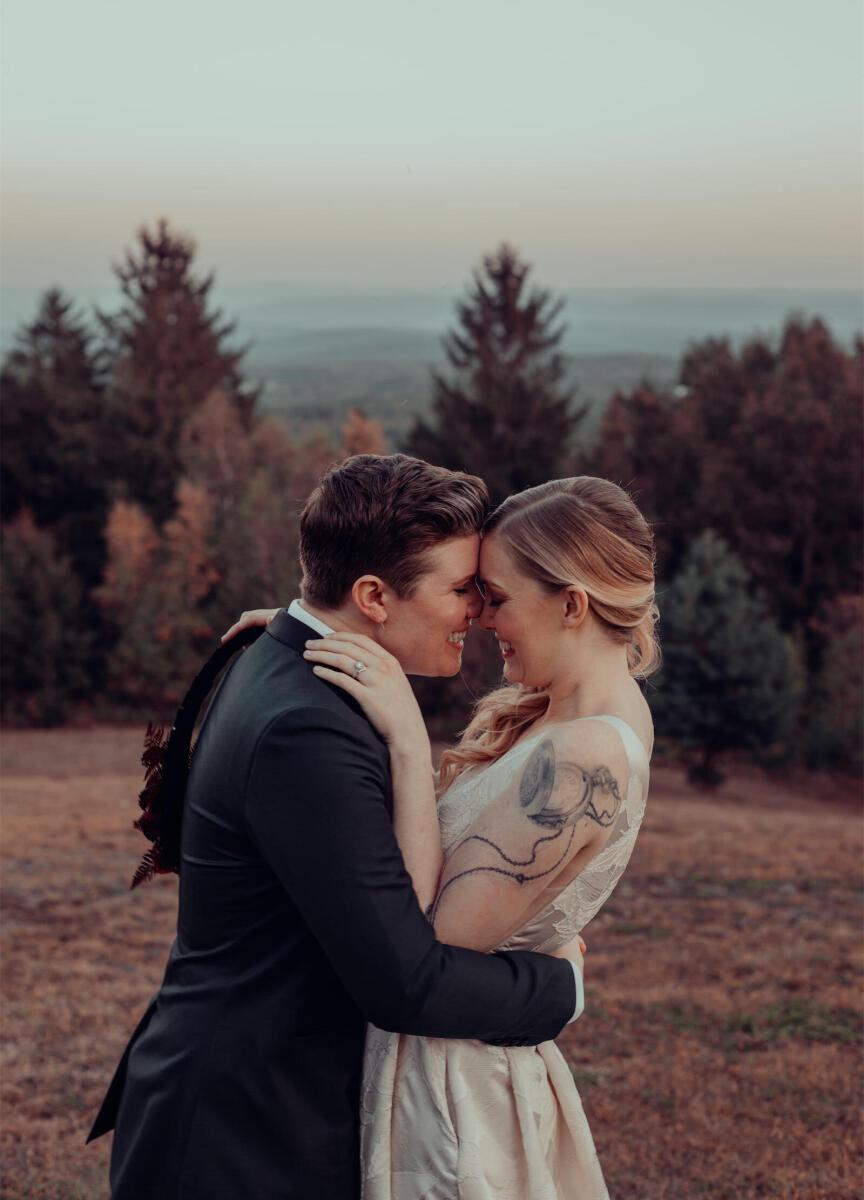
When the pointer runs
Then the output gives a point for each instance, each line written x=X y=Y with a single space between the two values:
x=720 y=1055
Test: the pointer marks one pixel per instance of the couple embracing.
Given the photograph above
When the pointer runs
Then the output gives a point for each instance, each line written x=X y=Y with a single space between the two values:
x=369 y=968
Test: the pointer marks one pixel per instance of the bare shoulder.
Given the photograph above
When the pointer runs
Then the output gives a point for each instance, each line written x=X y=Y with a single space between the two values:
x=577 y=772
x=589 y=739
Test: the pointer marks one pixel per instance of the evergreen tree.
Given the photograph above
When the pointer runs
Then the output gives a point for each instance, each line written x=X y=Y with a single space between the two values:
x=44 y=644
x=728 y=679
x=832 y=732
x=501 y=411
x=168 y=353
x=54 y=433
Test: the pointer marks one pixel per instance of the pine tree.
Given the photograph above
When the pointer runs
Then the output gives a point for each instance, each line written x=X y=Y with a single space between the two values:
x=45 y=642
x=168 y=353
x=832 y=731
x=501 y=411
x=54 y=432
x=728 y=679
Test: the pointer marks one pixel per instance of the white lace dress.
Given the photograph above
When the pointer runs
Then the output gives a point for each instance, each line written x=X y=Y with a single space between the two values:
x=444 y=1119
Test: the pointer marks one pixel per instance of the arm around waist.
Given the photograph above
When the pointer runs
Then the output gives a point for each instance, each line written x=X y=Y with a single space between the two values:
x=316 y=805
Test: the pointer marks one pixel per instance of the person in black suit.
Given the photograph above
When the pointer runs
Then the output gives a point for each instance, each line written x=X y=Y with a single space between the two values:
x=297 y=920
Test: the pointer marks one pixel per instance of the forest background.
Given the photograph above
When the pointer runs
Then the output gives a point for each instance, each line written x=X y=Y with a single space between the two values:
x=150 y=495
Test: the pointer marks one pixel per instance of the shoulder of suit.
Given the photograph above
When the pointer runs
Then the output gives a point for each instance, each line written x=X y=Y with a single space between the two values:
x=320 y=707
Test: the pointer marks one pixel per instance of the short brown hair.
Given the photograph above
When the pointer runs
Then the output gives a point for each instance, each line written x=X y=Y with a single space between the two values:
x=380 y=514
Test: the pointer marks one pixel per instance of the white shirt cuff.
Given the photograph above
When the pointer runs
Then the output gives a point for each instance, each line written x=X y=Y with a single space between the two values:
x=580 y=994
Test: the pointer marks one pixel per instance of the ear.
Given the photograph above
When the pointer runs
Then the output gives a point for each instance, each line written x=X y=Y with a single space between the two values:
x=369 y=594
x=576 y=607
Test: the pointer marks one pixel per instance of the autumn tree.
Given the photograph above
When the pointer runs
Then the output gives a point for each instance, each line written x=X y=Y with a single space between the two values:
x=501 y=409
x=784 y=486
x=764 y=446
x=643 y=446
x=169 y=352
x=361 y=435
x=255 y=523
x=157 y=582
x=229 y=544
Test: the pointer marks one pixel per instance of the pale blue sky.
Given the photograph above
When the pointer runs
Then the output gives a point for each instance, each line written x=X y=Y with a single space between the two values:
x=659 y=142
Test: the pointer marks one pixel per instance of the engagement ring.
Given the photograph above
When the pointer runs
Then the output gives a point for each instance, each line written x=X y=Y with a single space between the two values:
x=359 y=668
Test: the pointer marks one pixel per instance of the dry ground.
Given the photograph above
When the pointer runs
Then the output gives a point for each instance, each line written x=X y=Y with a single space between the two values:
x=720 y=1055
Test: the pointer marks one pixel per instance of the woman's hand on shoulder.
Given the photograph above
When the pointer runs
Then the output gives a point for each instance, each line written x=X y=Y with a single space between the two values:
x=374 y=677
x=254 y=616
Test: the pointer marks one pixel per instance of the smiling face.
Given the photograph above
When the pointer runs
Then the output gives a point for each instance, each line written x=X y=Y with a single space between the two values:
x=526 y=617
x=426 y=630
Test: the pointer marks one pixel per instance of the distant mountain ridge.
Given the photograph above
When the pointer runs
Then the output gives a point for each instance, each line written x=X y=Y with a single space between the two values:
x=319 y=351
x=394 y=391
x=293 y=321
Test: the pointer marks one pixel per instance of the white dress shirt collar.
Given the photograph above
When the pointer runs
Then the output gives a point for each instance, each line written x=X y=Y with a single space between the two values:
x=296 y=610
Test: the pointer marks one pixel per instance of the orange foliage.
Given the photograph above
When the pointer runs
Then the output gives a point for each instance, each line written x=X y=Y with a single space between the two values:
x=132 y=543
x=214 y=447
x=360 y=435
x=189 y=562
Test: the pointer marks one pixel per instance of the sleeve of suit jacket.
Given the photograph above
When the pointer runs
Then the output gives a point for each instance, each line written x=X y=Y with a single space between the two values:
x=315 y=804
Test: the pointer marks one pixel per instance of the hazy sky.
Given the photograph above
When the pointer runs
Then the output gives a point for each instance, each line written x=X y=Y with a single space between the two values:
x=665 y=142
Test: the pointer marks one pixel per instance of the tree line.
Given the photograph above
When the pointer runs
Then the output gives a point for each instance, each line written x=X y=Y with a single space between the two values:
x=147 y=499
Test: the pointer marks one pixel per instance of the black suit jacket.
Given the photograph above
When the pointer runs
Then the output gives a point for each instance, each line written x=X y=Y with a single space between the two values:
x=297 y=923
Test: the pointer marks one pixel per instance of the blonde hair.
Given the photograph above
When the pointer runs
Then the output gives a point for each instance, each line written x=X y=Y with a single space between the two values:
x=581 y=532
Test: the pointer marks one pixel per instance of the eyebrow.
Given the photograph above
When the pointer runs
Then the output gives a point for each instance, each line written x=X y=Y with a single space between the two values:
x=489 y=583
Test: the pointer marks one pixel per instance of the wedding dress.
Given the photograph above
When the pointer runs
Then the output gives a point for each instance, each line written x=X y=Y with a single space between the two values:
x=444 y=1119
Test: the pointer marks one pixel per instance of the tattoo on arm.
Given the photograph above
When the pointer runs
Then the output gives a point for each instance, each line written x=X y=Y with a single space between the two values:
x=579 y=793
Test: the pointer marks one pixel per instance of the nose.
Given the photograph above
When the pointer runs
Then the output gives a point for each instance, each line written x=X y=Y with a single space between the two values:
x=487 y=616
x=475 y=602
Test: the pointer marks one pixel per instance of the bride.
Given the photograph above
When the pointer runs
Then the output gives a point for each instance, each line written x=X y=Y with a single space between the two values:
x=537 y=812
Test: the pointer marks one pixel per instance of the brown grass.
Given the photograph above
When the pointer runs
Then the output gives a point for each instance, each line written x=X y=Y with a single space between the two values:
x=720 y=1055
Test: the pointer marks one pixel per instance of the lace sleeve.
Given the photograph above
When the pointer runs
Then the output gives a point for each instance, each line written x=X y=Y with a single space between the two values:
x=578 y=903
x=540 y=808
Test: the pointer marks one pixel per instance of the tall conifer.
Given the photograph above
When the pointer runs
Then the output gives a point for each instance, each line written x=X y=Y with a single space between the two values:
x=169 y=352
x=501 y=410
x=54 y=432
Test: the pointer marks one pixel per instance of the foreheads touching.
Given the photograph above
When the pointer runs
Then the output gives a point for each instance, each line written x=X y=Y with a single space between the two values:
x=381 y=515
x=587 y=533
